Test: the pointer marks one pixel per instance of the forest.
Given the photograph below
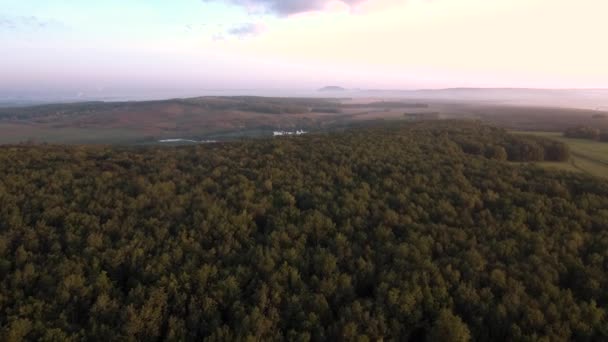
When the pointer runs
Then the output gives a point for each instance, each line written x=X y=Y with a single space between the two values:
x=425 y=231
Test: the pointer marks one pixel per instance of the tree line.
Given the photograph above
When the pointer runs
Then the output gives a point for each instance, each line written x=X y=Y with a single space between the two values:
x=496 y=143
x=586 y=132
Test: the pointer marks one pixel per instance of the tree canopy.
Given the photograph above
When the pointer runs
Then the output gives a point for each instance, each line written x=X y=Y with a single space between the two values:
x=409 y=232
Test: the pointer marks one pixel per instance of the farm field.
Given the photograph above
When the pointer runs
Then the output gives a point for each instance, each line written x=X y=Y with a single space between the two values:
x=203 y=118
x=586 y=156
x=227 y=118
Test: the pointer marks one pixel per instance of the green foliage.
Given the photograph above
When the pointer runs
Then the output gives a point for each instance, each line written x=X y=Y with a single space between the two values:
x=449 y=328
x=387 y=233
x=496 y=144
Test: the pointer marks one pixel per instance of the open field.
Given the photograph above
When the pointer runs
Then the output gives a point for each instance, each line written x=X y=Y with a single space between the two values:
x=149 y=121
x=586 y=155
x=195 y=118
x=227 y=118
x=530 y=118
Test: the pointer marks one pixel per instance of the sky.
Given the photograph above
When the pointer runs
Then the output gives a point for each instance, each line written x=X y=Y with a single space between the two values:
x=146 y=45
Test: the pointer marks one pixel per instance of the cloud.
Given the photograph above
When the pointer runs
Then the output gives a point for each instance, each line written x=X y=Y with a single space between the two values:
x=6 y=23
x=246 y=30
x=288 y=7
x=26 y=23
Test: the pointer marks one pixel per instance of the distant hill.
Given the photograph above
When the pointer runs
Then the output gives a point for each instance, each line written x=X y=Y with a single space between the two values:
x=332 y=88
x=569 y=98
x=220 y=117
x=200 y=118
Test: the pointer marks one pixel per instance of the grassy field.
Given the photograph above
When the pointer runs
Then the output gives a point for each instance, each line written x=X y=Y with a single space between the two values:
x=216 y=118
x=586 y=155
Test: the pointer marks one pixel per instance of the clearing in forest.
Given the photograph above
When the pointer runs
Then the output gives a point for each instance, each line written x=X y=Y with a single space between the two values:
x=585 y=155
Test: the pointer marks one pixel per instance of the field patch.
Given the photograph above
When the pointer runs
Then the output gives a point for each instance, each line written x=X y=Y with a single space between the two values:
x=585 y=155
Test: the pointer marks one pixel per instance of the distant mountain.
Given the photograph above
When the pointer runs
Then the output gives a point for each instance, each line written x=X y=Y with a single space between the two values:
x=332 y=88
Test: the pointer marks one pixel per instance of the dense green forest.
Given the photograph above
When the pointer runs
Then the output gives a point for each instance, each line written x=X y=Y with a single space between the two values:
x=414 y=232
